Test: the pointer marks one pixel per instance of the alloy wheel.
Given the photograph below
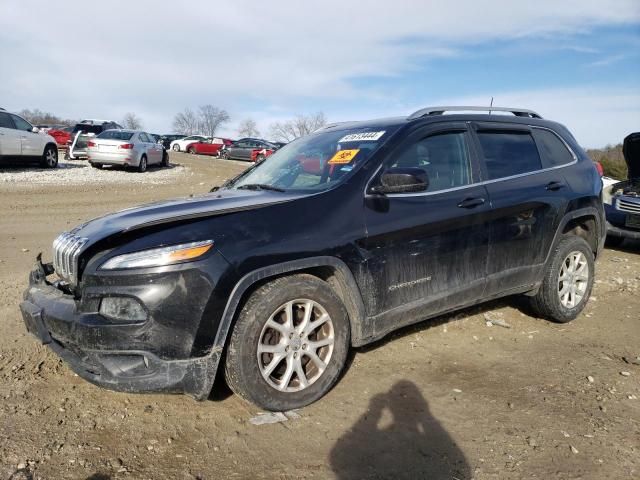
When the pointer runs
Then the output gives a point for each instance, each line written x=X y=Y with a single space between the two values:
x=295 y=345
x=573 y=279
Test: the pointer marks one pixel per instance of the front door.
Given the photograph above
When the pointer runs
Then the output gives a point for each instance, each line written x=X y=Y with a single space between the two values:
x=32 y=144
x=427 y=251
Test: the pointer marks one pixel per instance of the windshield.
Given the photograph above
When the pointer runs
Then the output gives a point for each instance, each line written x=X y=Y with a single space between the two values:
x=318 y=161
x=115 y=135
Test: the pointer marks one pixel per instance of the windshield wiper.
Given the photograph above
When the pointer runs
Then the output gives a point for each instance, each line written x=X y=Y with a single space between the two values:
x=260 y=186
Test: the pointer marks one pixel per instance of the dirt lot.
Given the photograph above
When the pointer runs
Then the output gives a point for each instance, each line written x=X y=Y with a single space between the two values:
x=449 y=398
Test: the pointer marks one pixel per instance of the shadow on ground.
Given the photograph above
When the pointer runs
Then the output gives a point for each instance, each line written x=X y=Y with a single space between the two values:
x=398 y=437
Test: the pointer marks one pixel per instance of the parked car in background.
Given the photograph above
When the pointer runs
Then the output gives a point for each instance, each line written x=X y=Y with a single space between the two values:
x=167 y=139
x=83 y=132
x=622 y=198
x=21 y=142
x=180 y=145
x=250 y=149
x=62 y=135
x=125 y=148
x=208 y=147
x=273 y=278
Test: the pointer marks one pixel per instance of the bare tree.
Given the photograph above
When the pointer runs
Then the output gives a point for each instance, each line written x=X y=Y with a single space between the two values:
x=37 y=116
x=300 y=126
x=248 y=128
x=132 y=121
x=211 y=118
x=186 y=122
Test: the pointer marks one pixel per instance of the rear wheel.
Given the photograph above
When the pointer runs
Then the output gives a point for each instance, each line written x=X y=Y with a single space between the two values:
x=176 y=147
x=260 y=158
x=567 y=282
x=165 y=159
x=50 y=157
x=191 y=150
x=142 y=166
x=289 y=345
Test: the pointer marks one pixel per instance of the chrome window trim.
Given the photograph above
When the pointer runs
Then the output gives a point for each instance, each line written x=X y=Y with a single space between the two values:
x=484 y=182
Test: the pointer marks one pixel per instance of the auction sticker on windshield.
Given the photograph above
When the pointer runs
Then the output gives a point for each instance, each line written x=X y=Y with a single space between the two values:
x=362 y=137
x=343 y=156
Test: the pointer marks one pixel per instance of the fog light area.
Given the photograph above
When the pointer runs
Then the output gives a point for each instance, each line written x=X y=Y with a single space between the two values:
x=125 y=309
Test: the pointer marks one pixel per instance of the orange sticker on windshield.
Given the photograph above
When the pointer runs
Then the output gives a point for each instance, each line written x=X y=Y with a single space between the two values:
x=343 y=156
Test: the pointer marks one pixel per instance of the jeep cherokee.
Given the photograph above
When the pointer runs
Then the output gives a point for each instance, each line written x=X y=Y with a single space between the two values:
x=334 y=241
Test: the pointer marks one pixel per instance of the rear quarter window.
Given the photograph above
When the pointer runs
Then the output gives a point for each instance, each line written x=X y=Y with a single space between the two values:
x=553 y=150
x=508 y=153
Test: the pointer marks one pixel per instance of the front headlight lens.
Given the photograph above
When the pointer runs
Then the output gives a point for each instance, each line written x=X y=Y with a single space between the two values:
x=159 y=257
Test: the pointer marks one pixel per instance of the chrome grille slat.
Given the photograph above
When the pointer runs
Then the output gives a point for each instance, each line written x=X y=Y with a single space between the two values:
x=626 y=206
x=66 y=250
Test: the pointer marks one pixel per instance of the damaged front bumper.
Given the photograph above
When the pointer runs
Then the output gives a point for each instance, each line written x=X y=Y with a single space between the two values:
x=79 y=338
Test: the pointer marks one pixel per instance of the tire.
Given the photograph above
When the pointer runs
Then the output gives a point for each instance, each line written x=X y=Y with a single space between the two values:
x=191 y=150
x=50 y=157
x=547 y=303
x=614 y=242
x=142 y=166
x=244 y=366
x=176 y=147
x=224 y=155
x=165 y=159
x=259 y=158
x=97 y=165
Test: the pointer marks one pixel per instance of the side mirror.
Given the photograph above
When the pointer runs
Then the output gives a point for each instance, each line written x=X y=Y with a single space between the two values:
x=402 y=180
x=35 y=129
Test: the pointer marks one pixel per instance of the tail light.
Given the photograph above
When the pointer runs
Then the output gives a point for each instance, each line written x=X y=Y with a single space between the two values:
x=91 y=144
x=599 y=168
x=126 y=146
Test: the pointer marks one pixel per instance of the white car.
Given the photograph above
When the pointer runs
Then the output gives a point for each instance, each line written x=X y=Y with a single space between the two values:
x=181 y=145
x=126 y=148
x=20 y=141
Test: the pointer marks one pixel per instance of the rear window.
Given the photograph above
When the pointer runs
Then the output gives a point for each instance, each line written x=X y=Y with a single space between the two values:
x=553 y=150
x=95 y=129
x=509 y=153
x=115 y=135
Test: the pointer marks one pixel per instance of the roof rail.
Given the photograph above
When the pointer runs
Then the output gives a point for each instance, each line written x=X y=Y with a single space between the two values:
x=518 y=112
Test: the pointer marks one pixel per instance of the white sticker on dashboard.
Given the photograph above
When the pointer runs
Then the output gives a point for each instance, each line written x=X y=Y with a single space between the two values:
x=362 y=137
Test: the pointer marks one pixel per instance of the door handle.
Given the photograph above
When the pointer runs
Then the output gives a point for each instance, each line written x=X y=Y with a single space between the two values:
x=471 y=202
x=553 y=186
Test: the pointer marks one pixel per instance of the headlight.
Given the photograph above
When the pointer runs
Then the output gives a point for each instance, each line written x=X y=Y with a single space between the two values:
x=158 y=257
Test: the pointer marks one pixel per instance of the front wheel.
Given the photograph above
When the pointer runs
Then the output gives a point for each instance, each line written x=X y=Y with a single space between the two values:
x=191 y=150
x=50 y=157
x=289 y=345
x=176 y=147
x=567 y=282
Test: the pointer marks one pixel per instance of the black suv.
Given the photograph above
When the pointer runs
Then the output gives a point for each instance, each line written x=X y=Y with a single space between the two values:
x=334 y=241
x=85 y=131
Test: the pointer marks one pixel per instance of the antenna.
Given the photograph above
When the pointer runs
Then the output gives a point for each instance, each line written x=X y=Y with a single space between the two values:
x=490 y=105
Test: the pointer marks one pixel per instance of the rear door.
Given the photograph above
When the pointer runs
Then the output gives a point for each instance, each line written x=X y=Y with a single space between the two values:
x=10 y=143
x=527 y=203
x=427 y=251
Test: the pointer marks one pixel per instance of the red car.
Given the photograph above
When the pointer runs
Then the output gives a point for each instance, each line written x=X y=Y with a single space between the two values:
x=209 y=147
x=62 y=135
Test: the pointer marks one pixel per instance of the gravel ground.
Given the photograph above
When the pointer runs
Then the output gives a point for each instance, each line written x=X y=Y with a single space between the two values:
x=79 y=172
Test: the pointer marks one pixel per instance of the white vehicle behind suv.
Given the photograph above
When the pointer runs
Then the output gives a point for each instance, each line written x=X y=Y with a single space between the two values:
x=20 y=141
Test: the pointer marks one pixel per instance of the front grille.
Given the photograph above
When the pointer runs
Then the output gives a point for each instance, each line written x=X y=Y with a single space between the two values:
x=627 y=206
x=66 y=249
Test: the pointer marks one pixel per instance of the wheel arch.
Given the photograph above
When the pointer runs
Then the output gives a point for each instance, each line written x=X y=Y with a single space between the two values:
x=50 y=144
x=584 y=222
x=329 y=269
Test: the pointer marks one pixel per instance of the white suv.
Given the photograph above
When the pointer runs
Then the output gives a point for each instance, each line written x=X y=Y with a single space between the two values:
x=20 y=141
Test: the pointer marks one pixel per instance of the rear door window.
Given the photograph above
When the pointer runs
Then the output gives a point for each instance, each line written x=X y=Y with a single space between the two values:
x=509 y=152
x=5 y=121
x=553 y=150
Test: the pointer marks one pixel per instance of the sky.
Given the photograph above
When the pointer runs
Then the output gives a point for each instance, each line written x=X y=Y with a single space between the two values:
x=573 y=61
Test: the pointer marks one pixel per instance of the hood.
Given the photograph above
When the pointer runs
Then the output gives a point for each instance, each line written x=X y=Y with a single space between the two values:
x=180 y=209
x=631 y=152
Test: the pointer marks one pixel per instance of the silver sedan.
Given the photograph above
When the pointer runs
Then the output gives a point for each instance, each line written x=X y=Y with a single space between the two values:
x=128 y=148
